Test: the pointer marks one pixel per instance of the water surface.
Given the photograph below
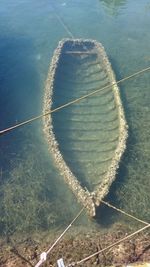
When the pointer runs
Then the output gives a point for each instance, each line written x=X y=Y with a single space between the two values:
x=33 y=194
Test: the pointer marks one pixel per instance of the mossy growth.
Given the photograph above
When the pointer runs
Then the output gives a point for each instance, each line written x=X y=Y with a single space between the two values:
x=29 y=199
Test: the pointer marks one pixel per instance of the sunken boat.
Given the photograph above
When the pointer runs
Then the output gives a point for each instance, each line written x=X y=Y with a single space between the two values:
x=87 y=135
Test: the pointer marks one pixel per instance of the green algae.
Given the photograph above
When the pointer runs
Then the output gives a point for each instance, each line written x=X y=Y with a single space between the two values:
x=126 y=39
x=29 y=201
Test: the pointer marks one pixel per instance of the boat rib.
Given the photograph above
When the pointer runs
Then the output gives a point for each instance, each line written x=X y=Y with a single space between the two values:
x=87 y=139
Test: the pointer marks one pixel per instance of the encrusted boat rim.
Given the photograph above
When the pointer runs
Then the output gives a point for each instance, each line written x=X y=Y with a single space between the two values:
x=93 y=199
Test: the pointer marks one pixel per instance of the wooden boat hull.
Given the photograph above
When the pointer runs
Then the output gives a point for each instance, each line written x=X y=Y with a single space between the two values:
x=87 y=138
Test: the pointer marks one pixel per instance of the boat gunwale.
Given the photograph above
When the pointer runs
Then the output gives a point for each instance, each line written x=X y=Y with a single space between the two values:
x=88 y=199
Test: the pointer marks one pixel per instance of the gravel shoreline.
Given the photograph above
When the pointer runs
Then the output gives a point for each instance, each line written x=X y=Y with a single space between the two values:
x=76 y=246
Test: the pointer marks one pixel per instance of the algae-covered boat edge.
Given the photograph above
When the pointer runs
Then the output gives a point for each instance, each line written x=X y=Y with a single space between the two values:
x=87 y=199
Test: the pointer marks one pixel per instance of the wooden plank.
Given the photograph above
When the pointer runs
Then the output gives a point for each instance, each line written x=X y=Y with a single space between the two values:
x=80 y=52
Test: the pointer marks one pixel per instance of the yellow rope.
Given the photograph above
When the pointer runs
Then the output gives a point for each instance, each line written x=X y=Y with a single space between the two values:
x=110 y=246
x=72 y=102
x=123 y=212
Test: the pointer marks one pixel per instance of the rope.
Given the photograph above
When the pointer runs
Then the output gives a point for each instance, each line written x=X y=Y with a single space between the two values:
x=48 y=251
x=123 y=212
x=62 y=23
x=72 y=102
x=110 y=246
x=43 y=256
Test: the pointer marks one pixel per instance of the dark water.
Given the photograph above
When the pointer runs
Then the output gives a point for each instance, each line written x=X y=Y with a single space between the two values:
x=33 y=195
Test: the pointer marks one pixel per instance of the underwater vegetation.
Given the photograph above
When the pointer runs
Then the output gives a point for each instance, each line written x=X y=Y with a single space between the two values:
x=23 y=204
x=29 y=200
x=31 y=196
x=113 y=7
x=30 y=193
x=133 y=182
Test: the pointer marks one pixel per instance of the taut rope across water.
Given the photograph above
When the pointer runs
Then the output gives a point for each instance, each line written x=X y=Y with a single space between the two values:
x=109 y=247
x=102 y=250
x=72 y=102
x=62 y=23
x=44 y=254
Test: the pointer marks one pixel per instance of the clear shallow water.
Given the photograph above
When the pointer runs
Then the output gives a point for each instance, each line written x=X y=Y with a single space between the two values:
x=88 y=131
x=33 y=195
